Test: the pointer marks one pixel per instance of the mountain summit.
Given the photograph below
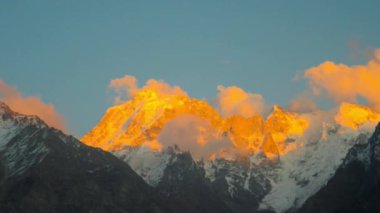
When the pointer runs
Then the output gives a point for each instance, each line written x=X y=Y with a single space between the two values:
x=142 y=120
x=44 y=170
x=250 y=163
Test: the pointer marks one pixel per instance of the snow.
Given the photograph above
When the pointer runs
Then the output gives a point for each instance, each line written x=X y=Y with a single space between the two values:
x=7 y=130
x=18 y=157
x=22 y=155
x=306 y=170
x=231 y=185
x=147 y=163
x=298 y=174
x=226 y=164
x=210 y=170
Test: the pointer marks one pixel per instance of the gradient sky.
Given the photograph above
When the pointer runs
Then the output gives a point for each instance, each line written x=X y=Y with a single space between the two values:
x=67 y=51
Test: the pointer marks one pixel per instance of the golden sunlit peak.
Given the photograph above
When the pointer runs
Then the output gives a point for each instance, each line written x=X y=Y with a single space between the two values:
x=158 y=115
x=270 y=147
x=152 y=93
x=141 y=120
x=277 y=108
x=352 y=115
x=285 y=122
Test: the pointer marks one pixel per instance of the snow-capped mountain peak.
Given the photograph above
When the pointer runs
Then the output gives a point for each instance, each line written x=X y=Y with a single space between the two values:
x=275 y=163
x=20 y=148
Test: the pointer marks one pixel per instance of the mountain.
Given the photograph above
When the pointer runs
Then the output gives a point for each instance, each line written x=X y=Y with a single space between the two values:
x=334 y=170
x=177 y=176
x=287 y=162
x=141 y=120
x=44 y=170
x=278 y=164
x=355 y=186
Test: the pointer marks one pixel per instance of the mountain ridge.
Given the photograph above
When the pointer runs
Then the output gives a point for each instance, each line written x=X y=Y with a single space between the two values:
x=286 y=163
x=44 y=170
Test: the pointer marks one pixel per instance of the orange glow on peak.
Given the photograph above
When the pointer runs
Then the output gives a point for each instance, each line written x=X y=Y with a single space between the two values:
x=351 y=115
x=157 y=112
x=141 y=120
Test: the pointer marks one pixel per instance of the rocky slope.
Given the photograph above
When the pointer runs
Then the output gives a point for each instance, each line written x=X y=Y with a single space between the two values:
x=339 y=173
x=44 y=170
x=355 y=187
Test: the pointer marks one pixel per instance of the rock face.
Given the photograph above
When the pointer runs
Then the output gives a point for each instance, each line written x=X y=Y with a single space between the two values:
x=355 y=186
x=44 y=170
x=232 y=181
x=177 y=177
x=183 y=184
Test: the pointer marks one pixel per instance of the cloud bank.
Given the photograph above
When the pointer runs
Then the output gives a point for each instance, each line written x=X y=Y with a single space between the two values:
x=192 y=134
x=343 y=83
x=234 y=100
x=127 y=87
x=31 y=105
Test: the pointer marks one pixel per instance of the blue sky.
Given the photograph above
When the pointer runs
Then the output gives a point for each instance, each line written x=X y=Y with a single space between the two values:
x=67 y=51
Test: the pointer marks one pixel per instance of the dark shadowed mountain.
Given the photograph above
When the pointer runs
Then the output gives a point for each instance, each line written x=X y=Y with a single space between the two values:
x=44 y=170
